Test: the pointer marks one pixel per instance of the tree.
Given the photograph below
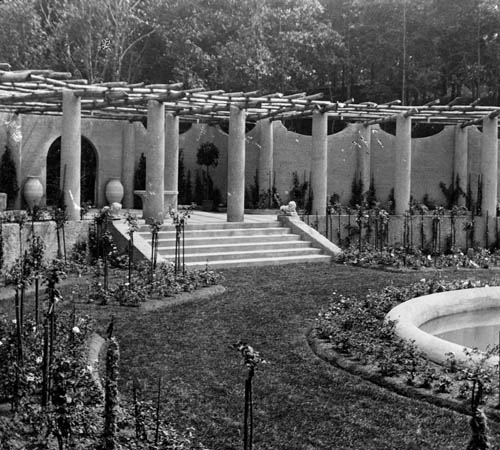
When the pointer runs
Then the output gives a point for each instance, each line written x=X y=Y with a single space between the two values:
x=23 y=41
x=8 y=180
x=96 y=39
x=208 y=156
x=140 y=178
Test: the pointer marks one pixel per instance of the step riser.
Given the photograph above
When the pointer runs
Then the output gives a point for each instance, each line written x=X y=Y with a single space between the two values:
x=267 y=262
x=204 y=257
x=238 y=248
x=215 y=226
x=223 y=240
x=216 y=233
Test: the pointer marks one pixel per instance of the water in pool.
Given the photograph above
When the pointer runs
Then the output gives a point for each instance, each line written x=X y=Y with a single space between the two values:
x=471 y=329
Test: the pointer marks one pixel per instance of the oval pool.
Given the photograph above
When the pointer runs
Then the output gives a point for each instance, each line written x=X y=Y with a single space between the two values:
x=474 y=329
x=433 y=322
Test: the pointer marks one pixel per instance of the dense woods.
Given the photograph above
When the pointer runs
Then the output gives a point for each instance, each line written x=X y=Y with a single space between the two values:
x=372 y=50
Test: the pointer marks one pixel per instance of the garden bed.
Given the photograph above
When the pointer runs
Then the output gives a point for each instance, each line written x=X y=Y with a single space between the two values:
x=353 y=334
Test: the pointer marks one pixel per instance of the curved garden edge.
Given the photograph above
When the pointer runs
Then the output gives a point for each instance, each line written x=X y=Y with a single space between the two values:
x=203 y=293
x=424 y=270
x=97 y=344
x=322 y=349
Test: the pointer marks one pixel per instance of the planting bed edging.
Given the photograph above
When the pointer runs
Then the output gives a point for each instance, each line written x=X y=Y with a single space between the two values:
x=323 y=350
x=410 y=315
x=183 y=297
x=97 y=344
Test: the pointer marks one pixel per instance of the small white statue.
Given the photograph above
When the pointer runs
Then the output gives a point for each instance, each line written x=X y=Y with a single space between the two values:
x=290 y=209
x=116 y=208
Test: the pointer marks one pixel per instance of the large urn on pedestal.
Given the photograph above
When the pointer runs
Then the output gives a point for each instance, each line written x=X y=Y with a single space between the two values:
x=114 y=191
x=33 y=191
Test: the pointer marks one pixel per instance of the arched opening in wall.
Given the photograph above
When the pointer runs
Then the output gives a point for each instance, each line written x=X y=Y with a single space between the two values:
x=224 y=126
x=421 y=130
x=184 y=127
x=418 y=130
x=88 y=171
x=480 y=129
x=304 y=126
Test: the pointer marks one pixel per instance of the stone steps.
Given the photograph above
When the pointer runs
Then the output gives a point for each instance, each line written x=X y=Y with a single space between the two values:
x=230 y=244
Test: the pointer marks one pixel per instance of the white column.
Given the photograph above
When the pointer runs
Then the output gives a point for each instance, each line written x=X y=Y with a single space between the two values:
x=153 y=207
x=402 y=169
x=363 y=146
x=128 y=161
x=460 y=158
x=489 y=166
x=319 y=162
x=265 y=168
x=71 y=150
x=171 y=160
x=236 y=166
x=14 y=141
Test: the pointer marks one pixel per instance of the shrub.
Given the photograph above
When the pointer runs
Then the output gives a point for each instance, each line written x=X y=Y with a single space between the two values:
x=8 y=181
x=357 y=327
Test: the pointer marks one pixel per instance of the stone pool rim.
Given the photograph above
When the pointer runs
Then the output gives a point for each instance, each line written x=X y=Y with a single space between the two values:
x=409 y=316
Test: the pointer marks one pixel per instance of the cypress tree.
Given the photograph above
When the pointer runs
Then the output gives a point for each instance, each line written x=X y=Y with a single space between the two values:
x=140 y=179
x=8 y=178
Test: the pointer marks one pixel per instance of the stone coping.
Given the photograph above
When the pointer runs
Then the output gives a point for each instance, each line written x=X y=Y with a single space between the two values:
x=412 y=314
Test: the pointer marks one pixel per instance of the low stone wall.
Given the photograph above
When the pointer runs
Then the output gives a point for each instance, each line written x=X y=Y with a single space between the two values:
x=13 y=242
x=468 y=231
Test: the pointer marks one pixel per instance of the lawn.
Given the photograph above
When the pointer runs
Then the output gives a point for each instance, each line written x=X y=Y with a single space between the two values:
x=300 y=401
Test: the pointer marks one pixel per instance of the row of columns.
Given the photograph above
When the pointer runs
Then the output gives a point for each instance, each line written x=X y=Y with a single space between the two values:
x=163 y=153
x=488 y=169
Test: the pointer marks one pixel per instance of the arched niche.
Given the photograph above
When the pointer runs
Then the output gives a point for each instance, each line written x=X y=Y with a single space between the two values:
x=418 y=130
x=88 y=168
x=304 y=125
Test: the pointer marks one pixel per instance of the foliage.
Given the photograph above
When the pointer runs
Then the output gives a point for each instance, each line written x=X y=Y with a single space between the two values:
x=207 y=155
x=357 y=327
x=8 y=180
x=452 y=193
x=69 y=418
x=414 y=258
x=372 y=51
x=357 y=192
x=140 y=178
x=299 y=191
x=111 y=402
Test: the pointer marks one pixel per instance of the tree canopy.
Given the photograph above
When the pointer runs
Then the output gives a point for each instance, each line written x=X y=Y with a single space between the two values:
x=372 y=50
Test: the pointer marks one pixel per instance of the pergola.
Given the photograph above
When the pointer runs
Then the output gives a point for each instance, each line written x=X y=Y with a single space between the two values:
x=57 y=93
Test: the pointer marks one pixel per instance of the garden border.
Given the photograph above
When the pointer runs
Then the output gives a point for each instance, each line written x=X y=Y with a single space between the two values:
x=322 y=349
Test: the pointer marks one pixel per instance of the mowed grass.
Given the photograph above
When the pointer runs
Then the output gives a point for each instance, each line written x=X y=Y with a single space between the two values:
x=300 y=402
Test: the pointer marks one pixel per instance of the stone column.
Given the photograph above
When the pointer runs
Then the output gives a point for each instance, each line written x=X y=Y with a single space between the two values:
x=460 y=161
x=265 y=168
x=236 y=166
x=402 y=167
x=489 y=166
x=153 y=207
x=363 y=146
x=128 y=163
x=171 y=160
x=14 y=141
x=71 y=150
x=319 y=172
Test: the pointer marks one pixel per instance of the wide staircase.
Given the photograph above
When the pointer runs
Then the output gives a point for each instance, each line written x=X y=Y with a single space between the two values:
x=235 y=244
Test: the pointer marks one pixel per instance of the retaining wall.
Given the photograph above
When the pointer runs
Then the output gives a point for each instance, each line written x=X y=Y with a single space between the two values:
x=432 y=157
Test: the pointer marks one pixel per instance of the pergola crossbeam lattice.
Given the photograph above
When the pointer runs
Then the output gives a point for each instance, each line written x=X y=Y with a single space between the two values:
x=40 y=92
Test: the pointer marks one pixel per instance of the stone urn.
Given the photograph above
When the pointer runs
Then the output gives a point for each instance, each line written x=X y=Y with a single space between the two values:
x=33 y=191
x=114 y=191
